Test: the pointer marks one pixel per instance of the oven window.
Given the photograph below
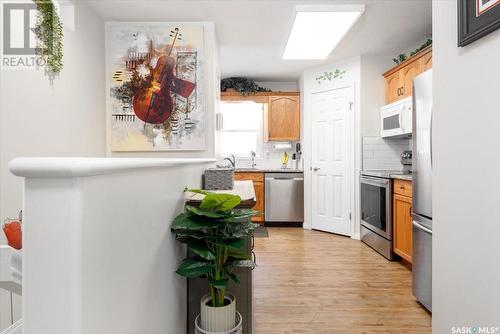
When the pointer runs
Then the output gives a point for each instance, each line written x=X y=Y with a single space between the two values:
x=391 y=122
x=373 y=206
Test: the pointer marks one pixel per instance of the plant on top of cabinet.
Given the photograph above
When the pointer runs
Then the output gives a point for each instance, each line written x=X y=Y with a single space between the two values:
x=215 y=232
x=242 y=85
x=402 y=57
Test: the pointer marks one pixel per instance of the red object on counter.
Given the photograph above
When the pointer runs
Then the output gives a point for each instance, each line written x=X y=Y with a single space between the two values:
x=14 y=234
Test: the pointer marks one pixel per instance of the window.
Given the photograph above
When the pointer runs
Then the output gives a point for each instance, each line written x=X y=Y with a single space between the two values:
x=241 y=131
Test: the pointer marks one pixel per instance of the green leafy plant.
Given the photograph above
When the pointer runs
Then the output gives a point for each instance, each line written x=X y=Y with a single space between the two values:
x=242 y=85
x=331 y=75
x=215 y=232
x=402 y=57
x=399 y=59
x=49 y=33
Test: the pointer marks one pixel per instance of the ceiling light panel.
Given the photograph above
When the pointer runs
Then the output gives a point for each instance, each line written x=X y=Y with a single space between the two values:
x=316 y=31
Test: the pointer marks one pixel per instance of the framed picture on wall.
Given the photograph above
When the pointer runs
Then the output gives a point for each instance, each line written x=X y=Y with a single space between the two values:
x=156 y=92
x=477 y=18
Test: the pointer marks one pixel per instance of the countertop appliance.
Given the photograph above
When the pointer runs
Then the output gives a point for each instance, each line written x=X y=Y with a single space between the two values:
x=284 y=193
x=406 y=158
x=422 y=189
x=376 y=211
x=396 y=119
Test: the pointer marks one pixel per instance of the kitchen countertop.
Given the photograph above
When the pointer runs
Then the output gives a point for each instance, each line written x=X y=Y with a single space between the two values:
x=406 y=177
x=389 y=174
x=268 y=170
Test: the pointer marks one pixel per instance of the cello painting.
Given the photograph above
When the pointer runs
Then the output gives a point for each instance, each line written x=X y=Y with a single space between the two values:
x=155 y=86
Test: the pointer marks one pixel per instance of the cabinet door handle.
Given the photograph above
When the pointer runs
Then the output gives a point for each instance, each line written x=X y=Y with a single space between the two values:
x=402 y=91
x=411 y=208
x=399 y=91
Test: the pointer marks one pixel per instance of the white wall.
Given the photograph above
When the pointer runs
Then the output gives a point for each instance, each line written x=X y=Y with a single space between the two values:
x=280 y=86
x=212 y=84
x=466 y=178
x=66 y=119
x=110 y=264
x=373 y=92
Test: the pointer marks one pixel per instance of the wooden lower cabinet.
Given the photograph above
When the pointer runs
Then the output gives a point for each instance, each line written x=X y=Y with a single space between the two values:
x=258 y=185
x=402 y=225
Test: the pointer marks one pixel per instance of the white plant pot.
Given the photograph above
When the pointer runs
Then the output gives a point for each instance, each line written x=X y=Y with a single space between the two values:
x=218 y=319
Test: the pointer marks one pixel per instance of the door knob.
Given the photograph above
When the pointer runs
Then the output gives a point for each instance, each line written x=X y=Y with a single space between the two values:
x=316 y=169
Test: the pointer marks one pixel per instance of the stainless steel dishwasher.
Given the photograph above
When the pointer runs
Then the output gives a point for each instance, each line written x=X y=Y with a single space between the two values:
x=284 y=193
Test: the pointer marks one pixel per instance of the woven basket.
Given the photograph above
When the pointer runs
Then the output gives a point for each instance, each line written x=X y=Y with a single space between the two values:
x=219 y=179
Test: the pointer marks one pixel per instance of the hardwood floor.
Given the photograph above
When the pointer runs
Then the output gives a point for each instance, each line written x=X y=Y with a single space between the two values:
x=315 y=282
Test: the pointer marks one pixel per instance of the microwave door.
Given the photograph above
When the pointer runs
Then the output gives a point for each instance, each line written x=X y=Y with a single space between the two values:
x=391 y=122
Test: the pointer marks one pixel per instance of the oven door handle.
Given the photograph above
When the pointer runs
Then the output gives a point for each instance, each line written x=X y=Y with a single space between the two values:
x=375 y=182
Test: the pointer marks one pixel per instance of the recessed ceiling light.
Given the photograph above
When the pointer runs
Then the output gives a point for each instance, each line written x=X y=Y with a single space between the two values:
x=317 y=30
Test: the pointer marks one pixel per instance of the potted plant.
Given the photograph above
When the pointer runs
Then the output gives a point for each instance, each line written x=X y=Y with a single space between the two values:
x=215 y=232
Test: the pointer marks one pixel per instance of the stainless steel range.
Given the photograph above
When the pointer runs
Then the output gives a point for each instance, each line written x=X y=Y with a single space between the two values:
x=376 y=211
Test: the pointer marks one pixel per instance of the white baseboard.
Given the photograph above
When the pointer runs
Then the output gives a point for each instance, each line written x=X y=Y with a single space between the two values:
x=356 y=236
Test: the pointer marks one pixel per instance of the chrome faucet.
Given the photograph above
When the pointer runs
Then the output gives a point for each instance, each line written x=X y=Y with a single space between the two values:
x=232 y=160
x=252 y=156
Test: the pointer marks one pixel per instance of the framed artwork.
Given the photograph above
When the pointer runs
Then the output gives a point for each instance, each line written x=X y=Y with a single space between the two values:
x=477 y=18
x=155 y=86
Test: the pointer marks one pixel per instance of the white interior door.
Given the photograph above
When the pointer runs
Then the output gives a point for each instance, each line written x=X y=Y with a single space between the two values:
x=331 y=156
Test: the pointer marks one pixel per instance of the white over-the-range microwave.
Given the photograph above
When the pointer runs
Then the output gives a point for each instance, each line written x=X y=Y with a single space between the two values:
x=396 y=119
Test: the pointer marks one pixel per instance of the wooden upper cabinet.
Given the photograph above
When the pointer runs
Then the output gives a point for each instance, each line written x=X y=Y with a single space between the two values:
x=408 y=73
x=283 y=118
x=399 y=79
x=392 y=87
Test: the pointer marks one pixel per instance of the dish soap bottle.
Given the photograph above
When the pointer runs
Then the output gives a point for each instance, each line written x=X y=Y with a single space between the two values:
x=284 y=160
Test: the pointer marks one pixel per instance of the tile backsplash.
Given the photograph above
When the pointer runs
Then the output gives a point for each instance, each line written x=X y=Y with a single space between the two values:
x=379 y=153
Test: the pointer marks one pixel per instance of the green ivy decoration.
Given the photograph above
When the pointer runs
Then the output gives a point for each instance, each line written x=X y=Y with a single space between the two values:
x=402 y=57
x=49 y=33
x=242 y=85
x=337 y=74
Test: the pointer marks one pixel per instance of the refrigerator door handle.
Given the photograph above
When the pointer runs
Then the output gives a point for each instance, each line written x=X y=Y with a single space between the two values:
x=421 y=227
x=430 y=138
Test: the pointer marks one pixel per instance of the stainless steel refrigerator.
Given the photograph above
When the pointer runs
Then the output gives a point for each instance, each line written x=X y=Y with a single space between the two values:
x=422 y=189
